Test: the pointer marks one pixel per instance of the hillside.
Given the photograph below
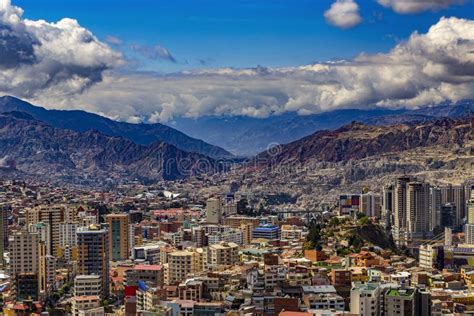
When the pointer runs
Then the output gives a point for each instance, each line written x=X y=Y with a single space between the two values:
x=317 y=168
x=357 y=141
x=143 y=134
x=55 y=154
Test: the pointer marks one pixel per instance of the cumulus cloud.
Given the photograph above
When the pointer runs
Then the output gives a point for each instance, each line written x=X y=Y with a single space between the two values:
x=154 y=52
x=426 y=69
x=416 y=6
x=37 y=55
x=343 y=14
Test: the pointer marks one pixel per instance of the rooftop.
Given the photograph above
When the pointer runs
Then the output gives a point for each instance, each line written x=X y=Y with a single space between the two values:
x=400 y=292
x=153 y=267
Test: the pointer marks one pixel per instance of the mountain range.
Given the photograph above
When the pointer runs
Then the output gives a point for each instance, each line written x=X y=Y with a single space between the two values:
x=143 y=134
x=84 y=148
x=56 y=154
x=245 y=136
x=224 y=137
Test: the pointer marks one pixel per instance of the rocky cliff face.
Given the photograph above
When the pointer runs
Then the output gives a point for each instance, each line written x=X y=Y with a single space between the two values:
x=54 y=153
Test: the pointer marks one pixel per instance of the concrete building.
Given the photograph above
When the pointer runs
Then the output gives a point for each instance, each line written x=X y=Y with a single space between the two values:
x=87 y=285
x=44 y=234
x=400 y=215
x=418 y=208
x=51 y=215
x=118 y=236
x=214 y=211
x=93 y=254
x=232 y=235
x=152 y=275
x=181 y=265
x=47 y=270
x=26 y=286
x=387 y=206
x=4 y=210
x=427 y=256
x=24 y=252
x=365 y=299
x=326 y=301
x=400 y=302
x=469 y=227
x=455 y=195
x=435 y=208
x=448 y=215
x=223 y=254
x=68 y=235
x=86 y=306
x=370 y=204
x=67 y=240
x=267 y=231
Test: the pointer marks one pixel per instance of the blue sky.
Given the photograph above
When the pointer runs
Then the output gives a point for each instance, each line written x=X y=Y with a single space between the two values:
x=238 y=33
x=170 y=58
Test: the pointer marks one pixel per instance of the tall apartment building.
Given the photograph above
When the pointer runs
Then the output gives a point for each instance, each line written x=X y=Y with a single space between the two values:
x=469 y=227
x=400 y=209
x=418 y=208
x=387 y=205
x=370 y=204
x=181 y=264
x=457 y=196
x=448 y=215
x=51 y=215
x=93 y=254
x=400 y=202
x=24 y=252
x=435 y=207
x=44 y=234
x=24 y=263
x=47 y=270
x=67 y=241
x=4 y=210
x=214 y=211
x=119 y=236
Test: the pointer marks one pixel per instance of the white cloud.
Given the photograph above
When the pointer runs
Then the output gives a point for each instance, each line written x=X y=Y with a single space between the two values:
x=416 y=6
x=37 y=55
x=52 y=64
x=343 y=14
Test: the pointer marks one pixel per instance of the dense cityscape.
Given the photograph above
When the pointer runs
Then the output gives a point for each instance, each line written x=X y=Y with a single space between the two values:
x=403 y=249
x=236 y=157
